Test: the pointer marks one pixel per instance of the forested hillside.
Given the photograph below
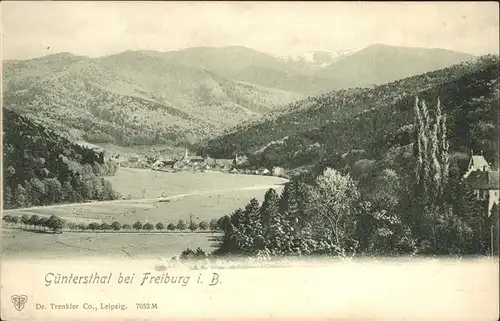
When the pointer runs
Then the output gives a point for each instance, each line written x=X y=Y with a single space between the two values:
x=41 y=168
x=376 y=121
x=181 y=97
x=133 y=98
x=386 y=174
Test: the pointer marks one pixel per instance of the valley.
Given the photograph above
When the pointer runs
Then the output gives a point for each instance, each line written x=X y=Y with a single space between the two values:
x=107 y=143
x=156 y=197
x=187 y=96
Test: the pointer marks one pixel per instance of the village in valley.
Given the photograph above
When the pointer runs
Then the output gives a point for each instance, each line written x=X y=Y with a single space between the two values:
x=263 y=160
x=194 y=163
x=205 y=151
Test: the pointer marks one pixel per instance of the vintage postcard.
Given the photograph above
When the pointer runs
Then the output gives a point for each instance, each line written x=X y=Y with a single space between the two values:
x=249 y=160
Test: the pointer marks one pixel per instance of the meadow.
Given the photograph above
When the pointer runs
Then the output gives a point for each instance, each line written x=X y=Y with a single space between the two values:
x=165 y=197
x=146 y=183
x=198 y=207
x=22 y=244
x=156 y=197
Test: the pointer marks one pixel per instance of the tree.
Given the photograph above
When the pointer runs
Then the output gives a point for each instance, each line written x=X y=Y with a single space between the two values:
x=8 y=197
x=43 y=222
x=293 y=204
x=126 y=227
x=7 y=218
x=472 y=212
x=431 y=153
x=15 y=220
x=93 y=226
x=193 y=226
x=86 y=187
x=442 y=148
x=382 y=233
x=33 y=221
x=55 y=223
x=148 y=226
x=385 y=191
x=333 y=197
x=97 y=169
x=105 y=226
x=270 y=207
x=181 y=225
x=137 y=226
x=68 y=193
x=203 y=225
x=252 y=237
x=37 y=192
x=20 y=196
x=107 y=190
x=25 y=219
x=116 y=226
x=213 y=225
x=160 y=226
x=53 y=190
x=98 y=192
x=273 y=219
x=224 y=222
x=431 y=172
x=171 y=227
x=232 y=228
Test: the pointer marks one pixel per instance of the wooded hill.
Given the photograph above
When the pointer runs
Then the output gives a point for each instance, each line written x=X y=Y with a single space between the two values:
x=179 y=97
x=40 y=167
x=373 y=120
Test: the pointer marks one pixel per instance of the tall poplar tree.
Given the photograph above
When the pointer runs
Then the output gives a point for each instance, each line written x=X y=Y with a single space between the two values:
x=431 y=153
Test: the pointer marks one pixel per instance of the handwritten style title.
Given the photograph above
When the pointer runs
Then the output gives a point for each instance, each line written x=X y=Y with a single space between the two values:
x=146 y=278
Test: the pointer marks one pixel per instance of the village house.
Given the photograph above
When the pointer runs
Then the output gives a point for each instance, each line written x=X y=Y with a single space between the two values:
x=134 y=159
x=192 y=159
x=485 y=183
x=483 y=180
x=224 y=163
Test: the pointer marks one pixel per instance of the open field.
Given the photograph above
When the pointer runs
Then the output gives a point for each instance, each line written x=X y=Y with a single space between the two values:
x=146 y=183
x=203 y=207
x=18 y=244
x=203 y=196
x=170 y=197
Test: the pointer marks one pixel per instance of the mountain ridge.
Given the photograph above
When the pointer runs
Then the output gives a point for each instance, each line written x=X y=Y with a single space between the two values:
x=180 y=96
x=370 y=118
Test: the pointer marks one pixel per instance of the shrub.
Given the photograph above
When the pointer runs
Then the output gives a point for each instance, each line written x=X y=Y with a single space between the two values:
x=190 y=254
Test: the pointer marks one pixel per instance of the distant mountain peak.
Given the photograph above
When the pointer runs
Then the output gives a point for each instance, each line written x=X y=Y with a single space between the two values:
x=318 y=58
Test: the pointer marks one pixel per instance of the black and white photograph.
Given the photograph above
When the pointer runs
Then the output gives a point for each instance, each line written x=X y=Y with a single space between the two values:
x=229 y=143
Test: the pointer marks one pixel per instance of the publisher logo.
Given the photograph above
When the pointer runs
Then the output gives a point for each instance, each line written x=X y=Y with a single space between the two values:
x=19 y=301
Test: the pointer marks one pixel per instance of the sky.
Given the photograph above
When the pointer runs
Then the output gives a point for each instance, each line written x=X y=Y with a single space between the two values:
x=33 y=29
